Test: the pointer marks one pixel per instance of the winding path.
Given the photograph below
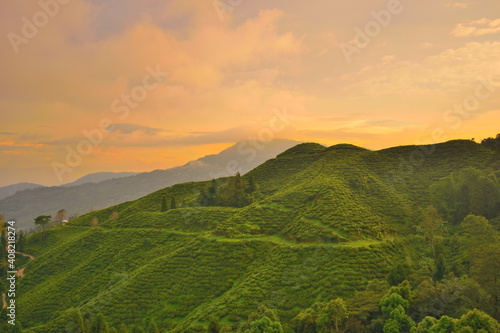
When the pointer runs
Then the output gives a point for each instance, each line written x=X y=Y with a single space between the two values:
x=19 y=273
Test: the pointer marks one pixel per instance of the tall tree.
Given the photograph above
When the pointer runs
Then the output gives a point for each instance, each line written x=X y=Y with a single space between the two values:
x=333 y=316
x=263 y=320
x=486 y=270
x=2 y=223
x=164 y=206
x=21 y=241
x=122 y=328
x=213 y=326
x=440 y=269
x=99 y=325
x=212 y=192
x=476 y=321
x=43 y=220
x=432 y=226
x=152 y=327
x=75 y=323
x=172 y=203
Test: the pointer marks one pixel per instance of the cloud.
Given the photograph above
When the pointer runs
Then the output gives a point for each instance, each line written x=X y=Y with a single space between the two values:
x=461 y=5
x=479 y=27
x=448 y=72
x=130 y=128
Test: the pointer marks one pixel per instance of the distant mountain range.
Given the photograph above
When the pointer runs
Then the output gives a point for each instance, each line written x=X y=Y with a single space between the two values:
x=9 y=190
x=100 y=177
x=88 y=193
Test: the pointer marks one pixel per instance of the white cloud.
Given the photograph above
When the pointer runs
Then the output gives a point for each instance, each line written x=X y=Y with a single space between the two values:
x=479 y=27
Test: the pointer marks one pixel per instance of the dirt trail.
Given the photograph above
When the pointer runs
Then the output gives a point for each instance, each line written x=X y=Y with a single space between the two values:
x=26 y=255
x=19 y=273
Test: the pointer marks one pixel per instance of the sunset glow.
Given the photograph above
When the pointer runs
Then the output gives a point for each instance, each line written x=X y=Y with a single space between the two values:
x=154 y=84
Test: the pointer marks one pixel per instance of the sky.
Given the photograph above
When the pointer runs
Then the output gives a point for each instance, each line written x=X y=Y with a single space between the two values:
x=129 y=85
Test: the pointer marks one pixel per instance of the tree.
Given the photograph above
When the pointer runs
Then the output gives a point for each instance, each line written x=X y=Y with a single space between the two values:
x=152 y=327
x=213 y=190
x=95 y=222
x=21 y=241
x=486 y=270
x=492 y=143
x=432 y=226
x=122 y=329
x=452 y=296
x=305 y=321
x=468 y=191
x=440 y=268
x=252 y=186
x=394 y=305
x=332 y=316
x=99 y=325
x=43 y=220
x=164 y=206
x=138 y=329
x=172 y=203
x=263 y=320
x=213 y=326
x=398 y=274
x=2 y=223
x=476 y=232
x=75 y=323
x=477 y=321
x=60 y=216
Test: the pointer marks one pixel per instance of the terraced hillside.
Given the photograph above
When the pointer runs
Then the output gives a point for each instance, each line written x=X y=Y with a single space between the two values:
x=324 y=222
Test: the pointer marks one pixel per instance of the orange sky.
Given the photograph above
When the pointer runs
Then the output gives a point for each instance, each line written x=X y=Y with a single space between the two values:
x=373 y=73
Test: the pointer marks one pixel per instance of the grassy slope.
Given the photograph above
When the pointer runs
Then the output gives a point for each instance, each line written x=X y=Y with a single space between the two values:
x=329 y=222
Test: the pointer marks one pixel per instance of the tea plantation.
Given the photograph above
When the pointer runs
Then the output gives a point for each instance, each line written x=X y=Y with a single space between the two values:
x=320 y=223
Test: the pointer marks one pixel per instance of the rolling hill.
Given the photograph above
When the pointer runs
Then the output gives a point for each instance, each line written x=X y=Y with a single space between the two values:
x=25 y=205
x=323 y=223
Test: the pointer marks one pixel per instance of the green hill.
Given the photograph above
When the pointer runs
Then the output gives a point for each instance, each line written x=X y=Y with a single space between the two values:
x=322 y=223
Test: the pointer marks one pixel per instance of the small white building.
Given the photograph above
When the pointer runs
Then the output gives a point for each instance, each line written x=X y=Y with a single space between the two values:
x=63 y=222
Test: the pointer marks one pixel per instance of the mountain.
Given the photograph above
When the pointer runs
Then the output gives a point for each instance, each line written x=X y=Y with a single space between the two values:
x=313 y=224
x=100 y=177
x=24 y=206
x=9 y=190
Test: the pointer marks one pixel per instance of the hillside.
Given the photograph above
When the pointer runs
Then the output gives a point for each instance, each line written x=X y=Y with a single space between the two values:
x=24 y=206
x=323 y=223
